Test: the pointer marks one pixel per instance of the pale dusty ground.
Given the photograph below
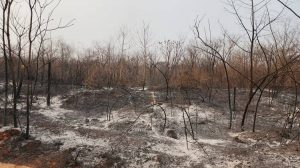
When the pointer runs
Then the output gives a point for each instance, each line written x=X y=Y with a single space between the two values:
x=134 y=136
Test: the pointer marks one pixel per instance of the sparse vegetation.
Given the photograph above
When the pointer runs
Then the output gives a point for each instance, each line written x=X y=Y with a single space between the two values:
x=231 y=101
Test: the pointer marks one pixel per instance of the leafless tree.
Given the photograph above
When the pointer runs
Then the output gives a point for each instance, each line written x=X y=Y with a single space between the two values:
x=144 y=38
x=289 y=8
x=221 y=51
x=38 y=26
x=172 y=52
x=259 y=21
x=4 y=6
x=8 y=54
x=123 y=38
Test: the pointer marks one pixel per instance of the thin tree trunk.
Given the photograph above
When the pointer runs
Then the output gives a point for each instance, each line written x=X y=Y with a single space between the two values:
x=228 y=94
x=28 y=107
x=185 y=131
x=43 y=72
x=36 y=78
x=11 y=65
x=20 y=85
x=29 y=82
x=256 y=110
x=6 y=92
x=252 y=48
x=49 y=84
x=252 y=96
x=5 y=65
x=234 y=99
x=167 y=89
x=295 y=107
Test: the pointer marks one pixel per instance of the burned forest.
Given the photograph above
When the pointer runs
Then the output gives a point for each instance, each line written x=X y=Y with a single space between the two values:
x=220 y=96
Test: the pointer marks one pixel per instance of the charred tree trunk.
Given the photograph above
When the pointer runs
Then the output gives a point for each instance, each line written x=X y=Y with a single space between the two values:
x=28 y=103
x=6 y=92
x=49 y=84
x=167 y=89
x=234 y=99
x=256 y=110
x=5 y=64
x=228 y=94
x=11 y=64
x=43 y=72
x=20 y=84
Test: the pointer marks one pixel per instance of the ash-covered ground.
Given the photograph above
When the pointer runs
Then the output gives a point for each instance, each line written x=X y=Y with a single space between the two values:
x=116 y=127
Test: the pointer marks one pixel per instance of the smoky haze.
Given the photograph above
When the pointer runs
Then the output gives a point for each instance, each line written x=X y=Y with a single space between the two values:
x=100 y=20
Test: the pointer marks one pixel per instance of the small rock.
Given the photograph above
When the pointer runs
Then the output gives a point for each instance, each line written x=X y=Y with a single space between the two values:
x=238 y=140
x=148 y=128
x=172 y=134
x=87 y=120
x=95 y=120
x=58 y=143
x=202 y=122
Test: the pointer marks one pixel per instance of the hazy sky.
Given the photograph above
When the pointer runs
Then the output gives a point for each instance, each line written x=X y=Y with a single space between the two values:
x=100 y=20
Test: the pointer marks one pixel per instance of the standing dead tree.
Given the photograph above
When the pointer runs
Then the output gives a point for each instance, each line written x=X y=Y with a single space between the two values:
x=144 y=42
x=289 y=8
x=9 y=56
x=220 y=51
x=38 y=25
x=50 y=52
x=122 y=56
x=19 y=31
x=259 y=21
x=4 y=6
x=172 y=52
